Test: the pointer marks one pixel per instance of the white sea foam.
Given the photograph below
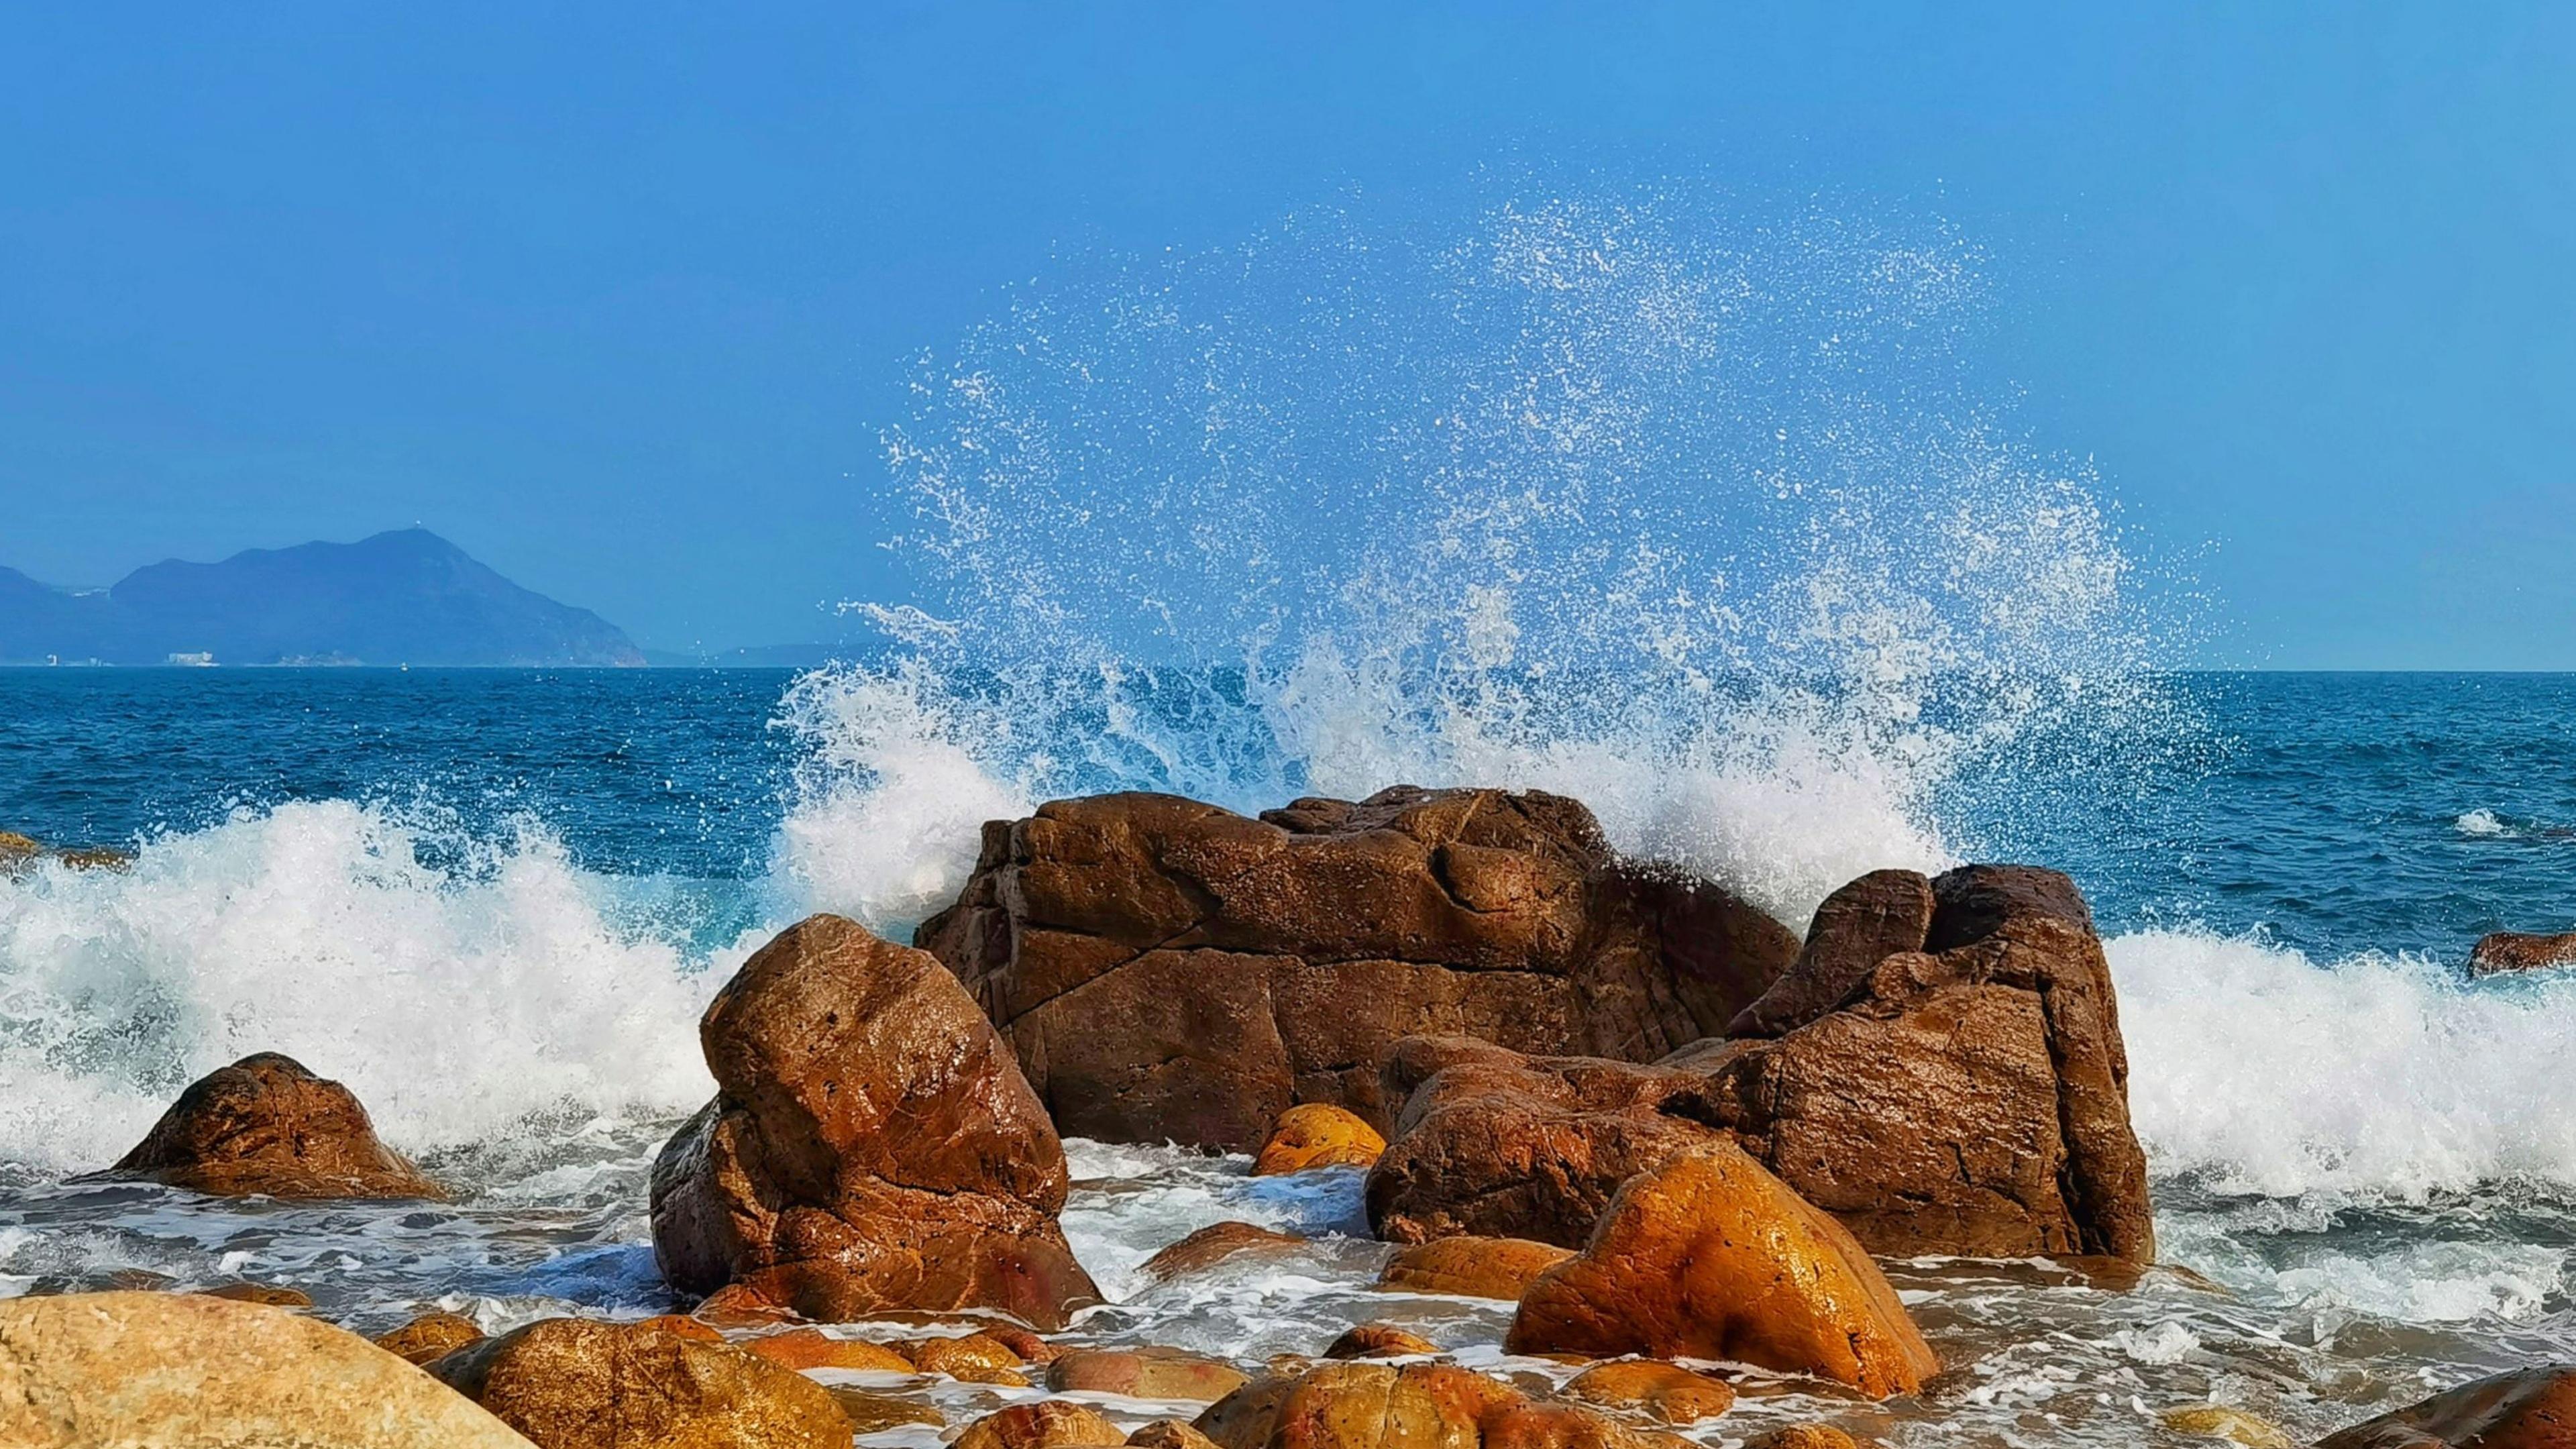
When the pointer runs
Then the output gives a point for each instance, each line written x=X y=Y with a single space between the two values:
x=2481 y=822
x=2379 y=1074
x=457 y=1000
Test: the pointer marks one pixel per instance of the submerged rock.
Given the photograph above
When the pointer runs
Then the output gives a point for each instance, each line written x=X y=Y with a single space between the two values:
x=1714 y=1258
x=2532 y=1408
x=1970 y=1098
x=88 y=1369
x=577 y=1383
x=272 y=1294
x=265 y=1126
x=1668 y=1392
x=872 y=1145
x=1471 y=1267
x=871 y=1413
x=1214 y=1244
x=811 y=1348
x=1169 y=970
x=2500 y=952
x=1317 y=1134
x=2217 y=1421
x=1144 y=1373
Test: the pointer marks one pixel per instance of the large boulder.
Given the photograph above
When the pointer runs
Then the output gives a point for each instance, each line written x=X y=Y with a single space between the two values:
x=1711 y=1257
x=2532 y=1408
x=871 y=1147
x=1967 y=1096
x=88 y=1369
x=266 y=1126
x=578 y=1383
x=1169 y=970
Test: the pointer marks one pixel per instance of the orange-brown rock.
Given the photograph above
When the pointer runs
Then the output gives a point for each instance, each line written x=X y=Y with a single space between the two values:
x=2499 y=952
x=973 y=1357
x=1317 y=1134
x=1864 y=923
x=1144 y=1373
x=872 y=1145
x=574 y=1383
x=1214 y=1244
x=274 y=1295
x=1030 y=1347
x=684 y=1326
x=1806 y=1436
x=2533 y=1408
x=265 y=1126
x=739 y=1305
x=430 y=1337
x=1413 y=1406
x=1668 y=1392
x=1169 y=1434
x=1970 y=1097
x=1471 y=1267
x=1380 y=1340
x=1050 y=1424
x=869 y=1413
x=1169 y=970
x=811 y=1348
x=1712 y=1257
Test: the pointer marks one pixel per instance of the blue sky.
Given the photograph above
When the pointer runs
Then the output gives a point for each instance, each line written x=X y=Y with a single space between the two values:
x=618 y=297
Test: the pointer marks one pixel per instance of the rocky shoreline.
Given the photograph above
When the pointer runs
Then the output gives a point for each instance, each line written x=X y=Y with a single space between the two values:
x=1671 y=1131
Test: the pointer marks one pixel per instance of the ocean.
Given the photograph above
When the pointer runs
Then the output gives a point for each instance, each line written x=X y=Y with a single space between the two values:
x=494 y=902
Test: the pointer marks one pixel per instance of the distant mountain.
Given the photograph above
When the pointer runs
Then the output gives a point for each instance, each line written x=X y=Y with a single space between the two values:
x=407 y=597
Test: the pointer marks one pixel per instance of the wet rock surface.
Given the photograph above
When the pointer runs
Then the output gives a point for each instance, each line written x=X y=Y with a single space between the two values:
x=266 y=1126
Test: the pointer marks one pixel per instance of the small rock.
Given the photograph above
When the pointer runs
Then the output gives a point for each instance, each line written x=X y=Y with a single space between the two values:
x=430 y=1337
x=739 y=1305
x=1674 y=1395
x=265 y=1126
x=2499 y=952
x=1415 y=1406
x=2217 y=1421
x=269 y=1293
x=1318 y=1134
x=1052 y=1424
x=1146 y=1373
x=1380 y=1340
x=1214 y=1244
x=1806 y=1436
x=869 y=1412
x=1169 y=1434
x=181 y=1369
x=2528 y=1409
x=1714 y=1258
x=576 y=1383
x=1030 y=1347
x=811 y=1348
x=975 y=1358
x=1471 y=1267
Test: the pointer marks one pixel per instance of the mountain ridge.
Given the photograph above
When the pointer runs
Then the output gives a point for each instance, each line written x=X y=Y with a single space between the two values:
x=405 y=596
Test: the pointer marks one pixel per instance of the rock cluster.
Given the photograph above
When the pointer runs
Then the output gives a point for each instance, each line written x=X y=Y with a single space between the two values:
x=1169 y=970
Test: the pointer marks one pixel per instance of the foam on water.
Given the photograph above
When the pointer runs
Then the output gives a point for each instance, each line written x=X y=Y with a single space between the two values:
x=461 y=990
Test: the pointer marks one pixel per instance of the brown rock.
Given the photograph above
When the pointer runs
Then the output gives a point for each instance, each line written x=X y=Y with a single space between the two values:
x=1051 y=1424
x=1973 y=1101
x=1806 y=1436
x=2498 y=952
x=684 y=1326
x=1380 y=1340
x=265 y=1126
x=1670 y=1393
x=2218 y=1421
x=811 y=1348
x=739 y=1305
x=430 y=1337
x=575 y=1383
x=137 y=1369
x=872 y=1146
x=1030 y=1347
x=269 y=1293
x=1471 y=1267
x=1714 y=1258
x=1146 y=1373
x=868 y=1413
x=1317 y=1134
x=17 y=850
x=966 y=1356
x=1169 y=970
x=2532 y=1408
x=1494 y=1144
x=1214 y=1244
x=1415 y=1406
x=1864 y=923
x=1169 y=1434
